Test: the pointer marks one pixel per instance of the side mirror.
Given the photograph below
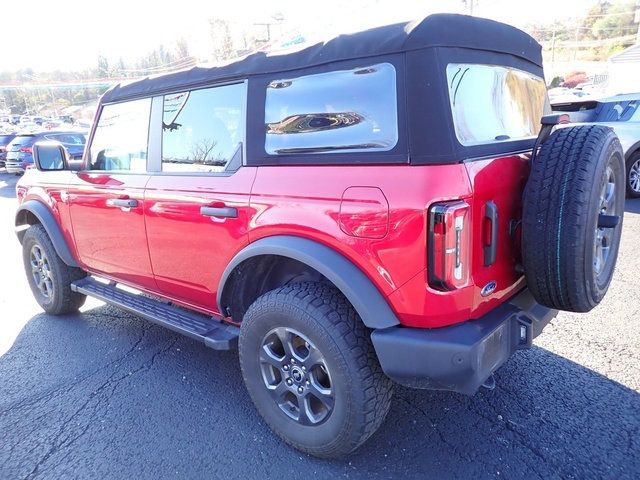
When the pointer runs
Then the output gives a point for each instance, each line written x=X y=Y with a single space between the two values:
x=50 y=156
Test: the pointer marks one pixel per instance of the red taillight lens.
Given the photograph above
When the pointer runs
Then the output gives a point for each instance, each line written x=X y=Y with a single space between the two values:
x=449 y=249
x=25 y=150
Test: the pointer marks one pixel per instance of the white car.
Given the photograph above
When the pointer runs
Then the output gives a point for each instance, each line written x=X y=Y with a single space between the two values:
x=621 y=113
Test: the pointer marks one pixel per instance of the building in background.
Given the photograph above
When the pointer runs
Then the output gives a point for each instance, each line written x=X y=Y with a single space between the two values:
x=624 y=71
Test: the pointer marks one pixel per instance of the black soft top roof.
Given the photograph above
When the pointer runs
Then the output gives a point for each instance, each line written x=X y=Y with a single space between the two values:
x=439 y=30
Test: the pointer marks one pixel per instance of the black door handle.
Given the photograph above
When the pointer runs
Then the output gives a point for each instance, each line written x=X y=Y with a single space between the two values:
x=228 y=212
x=491 y=249
x=122 y=202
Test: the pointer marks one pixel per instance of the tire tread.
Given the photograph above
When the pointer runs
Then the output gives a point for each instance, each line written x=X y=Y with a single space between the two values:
x=331 y=305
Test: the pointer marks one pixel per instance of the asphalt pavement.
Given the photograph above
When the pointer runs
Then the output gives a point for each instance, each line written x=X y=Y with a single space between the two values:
x=103 y=394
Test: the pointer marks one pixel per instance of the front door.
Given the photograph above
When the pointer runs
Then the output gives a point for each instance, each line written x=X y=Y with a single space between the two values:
x=106 y=199
x=197 y=205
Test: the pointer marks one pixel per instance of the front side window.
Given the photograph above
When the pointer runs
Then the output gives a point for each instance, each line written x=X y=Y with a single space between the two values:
x=66 y=138
x=494 y=104
x=340 y=111
x=203 y=130
x=121 y=136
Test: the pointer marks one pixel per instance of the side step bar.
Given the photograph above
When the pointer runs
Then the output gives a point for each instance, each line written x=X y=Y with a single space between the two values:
x=214 y=333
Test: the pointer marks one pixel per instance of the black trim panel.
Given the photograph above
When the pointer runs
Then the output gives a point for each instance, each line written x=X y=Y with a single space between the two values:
x=349 y=279
x=460 y=358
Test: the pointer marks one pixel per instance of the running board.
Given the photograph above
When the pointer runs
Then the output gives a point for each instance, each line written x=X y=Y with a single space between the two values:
x=214 y=333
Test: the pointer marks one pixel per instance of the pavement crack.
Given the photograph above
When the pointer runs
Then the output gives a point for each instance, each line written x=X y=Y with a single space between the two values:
x=68 y=386
x=452 y=446
x=102 y=394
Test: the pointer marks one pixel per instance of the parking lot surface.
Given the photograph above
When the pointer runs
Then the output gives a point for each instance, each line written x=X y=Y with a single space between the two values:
x=104 y=394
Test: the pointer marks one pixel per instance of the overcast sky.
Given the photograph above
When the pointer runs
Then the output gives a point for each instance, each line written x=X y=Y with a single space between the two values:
x=70 y=34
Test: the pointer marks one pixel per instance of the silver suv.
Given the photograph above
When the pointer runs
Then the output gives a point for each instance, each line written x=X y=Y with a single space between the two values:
x=621 y=113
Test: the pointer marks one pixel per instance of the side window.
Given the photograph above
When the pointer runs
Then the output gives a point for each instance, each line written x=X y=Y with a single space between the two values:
x=121 y=136
x=493 y=104
x=203 y=130
x=340 y=111
x=66 y=138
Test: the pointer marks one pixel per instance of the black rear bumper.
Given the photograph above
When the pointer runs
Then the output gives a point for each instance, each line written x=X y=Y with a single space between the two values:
x=461 y=357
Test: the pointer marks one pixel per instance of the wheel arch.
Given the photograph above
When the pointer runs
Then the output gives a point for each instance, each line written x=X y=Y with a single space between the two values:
x=635 y=148
x=309 y=259
x=33 y=212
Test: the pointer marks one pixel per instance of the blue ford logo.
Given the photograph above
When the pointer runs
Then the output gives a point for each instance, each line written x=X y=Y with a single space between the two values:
x=488 y=289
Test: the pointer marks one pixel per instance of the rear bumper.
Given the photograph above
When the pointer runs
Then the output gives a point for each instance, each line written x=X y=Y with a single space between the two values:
x=461 y=357
x=13 y=167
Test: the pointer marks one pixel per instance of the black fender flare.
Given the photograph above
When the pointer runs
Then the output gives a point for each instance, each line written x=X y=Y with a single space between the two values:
x=46 y=218
x=365 y=297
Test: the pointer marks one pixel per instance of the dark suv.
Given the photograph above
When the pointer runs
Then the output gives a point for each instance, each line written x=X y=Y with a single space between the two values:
x=388 y=206
x=19 y=150
x=5 y=139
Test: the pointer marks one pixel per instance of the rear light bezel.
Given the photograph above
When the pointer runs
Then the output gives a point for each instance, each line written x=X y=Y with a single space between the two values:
x=449 y=245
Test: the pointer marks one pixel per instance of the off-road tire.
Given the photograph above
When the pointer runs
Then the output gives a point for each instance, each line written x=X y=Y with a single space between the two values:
x=61 y=300
x=561 y=206
x=362 y=391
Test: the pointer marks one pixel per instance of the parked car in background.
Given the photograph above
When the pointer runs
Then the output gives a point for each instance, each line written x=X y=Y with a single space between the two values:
x=56 y=124
x=20 y=155
x=83 y=124
x=4 y=141
x=621 y=113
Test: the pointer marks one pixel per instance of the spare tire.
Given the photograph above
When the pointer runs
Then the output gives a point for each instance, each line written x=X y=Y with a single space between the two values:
x=572 y=217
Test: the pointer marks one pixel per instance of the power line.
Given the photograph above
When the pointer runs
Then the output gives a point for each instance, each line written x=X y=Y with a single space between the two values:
x=569 y=29
x=180 y=63
x=603 y=15
x=592 y=43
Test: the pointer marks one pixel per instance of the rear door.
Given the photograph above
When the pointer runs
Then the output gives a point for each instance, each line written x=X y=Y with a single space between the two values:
x=106 y=198
x=197 y=203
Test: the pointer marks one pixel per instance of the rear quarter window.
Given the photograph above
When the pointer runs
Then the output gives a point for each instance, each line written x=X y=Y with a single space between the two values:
x=339 y=111
x=491 y=103
x=621 y=111
x=23 y=140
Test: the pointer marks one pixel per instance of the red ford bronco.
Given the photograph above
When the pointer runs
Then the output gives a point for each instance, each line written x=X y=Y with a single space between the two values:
x=389 y=206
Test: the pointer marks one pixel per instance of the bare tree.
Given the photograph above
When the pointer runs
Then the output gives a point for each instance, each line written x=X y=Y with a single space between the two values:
x=202 y=151
x=221 y=38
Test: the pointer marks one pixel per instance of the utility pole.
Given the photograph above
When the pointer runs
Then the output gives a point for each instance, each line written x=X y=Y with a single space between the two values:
x=637 y=20
x=278 y=19
x=468 y=5
x=553 y=50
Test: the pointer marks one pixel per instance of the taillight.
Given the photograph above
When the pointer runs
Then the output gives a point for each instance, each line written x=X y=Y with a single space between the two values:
x=449 y=249
x=25 y=150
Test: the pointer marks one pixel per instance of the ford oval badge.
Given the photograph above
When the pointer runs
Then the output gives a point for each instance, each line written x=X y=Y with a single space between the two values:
x=488 y=289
